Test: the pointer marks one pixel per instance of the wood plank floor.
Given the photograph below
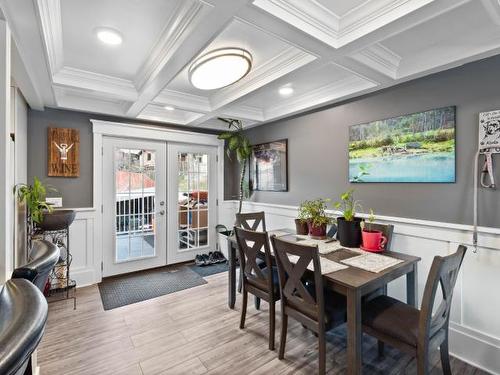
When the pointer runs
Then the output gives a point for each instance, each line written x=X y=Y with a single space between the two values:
x=193 y=332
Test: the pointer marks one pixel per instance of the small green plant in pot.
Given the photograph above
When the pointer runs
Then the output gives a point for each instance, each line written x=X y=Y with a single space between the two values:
x=373 y=240
x=34 y=198
x=349 y=226
x=313 y=212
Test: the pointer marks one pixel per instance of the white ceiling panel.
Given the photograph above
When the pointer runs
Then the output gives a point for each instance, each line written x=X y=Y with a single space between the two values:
x=327 y=51
x=139 y=22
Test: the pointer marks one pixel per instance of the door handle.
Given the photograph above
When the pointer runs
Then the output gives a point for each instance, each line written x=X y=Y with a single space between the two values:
x=161 y=212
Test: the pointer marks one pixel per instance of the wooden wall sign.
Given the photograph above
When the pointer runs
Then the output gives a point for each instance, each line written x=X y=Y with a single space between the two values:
x=64 y=152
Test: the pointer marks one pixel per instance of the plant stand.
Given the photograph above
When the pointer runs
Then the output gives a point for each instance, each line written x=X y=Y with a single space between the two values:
x=59 y=279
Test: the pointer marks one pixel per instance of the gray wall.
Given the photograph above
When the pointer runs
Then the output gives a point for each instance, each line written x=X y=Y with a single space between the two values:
x=318 y=158
x=76 y=192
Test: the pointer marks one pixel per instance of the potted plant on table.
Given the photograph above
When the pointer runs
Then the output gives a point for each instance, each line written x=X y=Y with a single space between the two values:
x=349 y=226
x=373 y=240
x=313 y=212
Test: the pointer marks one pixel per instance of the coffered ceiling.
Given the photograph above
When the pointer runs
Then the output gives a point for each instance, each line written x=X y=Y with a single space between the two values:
x=326 y=51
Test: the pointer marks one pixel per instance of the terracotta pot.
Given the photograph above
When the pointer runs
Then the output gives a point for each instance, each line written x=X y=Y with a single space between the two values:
x=349 y=232
x=301 y=227
x=317 y=232
x=373 y=240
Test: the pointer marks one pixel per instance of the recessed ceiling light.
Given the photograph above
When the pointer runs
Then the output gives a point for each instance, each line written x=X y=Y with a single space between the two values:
x=169 y=108
x=220 y=68
x=109 y=36
x=286 y=91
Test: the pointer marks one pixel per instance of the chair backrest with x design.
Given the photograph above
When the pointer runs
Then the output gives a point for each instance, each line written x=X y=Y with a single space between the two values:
x=251 y=221
x=251 y=244
x=444 y=272
x=293 y=276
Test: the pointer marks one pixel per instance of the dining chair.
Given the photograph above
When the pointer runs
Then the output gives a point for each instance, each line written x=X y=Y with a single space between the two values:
x=416 y=331
x=252 y=221
x=303 y=297
x=260 y=281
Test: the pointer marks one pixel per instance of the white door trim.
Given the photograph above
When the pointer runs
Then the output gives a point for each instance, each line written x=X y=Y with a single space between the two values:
x=102 y=128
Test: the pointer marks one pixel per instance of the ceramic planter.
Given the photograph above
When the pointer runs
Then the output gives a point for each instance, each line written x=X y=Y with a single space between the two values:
x=301 y=227
x=373 y=240
x=317 y=232
x=349 y=232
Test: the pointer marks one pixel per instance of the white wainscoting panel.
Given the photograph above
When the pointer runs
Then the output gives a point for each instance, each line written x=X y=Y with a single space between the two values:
x=475 y=318
x=85 y=268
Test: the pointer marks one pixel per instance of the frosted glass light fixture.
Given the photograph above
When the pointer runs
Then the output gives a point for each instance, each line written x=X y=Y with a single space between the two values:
x=109 y=36
x=220 y=68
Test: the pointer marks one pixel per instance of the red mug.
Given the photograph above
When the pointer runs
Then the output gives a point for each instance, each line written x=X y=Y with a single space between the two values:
x=373 y=240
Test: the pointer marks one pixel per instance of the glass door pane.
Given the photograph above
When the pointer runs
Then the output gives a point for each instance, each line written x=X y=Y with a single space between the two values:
x=135 y=189
x=192 y=207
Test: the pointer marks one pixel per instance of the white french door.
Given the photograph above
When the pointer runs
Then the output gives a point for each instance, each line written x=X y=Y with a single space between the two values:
x=134 y=210
x=191 y=201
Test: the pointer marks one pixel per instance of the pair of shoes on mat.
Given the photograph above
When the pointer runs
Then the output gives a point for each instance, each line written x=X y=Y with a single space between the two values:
x=210 y=258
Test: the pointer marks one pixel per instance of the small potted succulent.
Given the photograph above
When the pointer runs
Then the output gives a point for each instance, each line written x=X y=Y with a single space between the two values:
x=313 y=212
x=373 y=240
x=349 y=226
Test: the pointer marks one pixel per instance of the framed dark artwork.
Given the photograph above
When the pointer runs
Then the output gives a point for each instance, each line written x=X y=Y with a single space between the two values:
x=269 y=166
x=419 y=147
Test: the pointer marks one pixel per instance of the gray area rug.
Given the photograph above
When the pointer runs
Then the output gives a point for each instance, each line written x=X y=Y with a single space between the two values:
x=136 y=287
x=210 y=270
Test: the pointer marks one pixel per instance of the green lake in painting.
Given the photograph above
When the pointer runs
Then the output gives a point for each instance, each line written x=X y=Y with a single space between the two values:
x=419 y=147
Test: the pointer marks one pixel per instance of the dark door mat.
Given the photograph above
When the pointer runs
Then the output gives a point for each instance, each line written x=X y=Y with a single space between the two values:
x=136 y=287
x=211 y=269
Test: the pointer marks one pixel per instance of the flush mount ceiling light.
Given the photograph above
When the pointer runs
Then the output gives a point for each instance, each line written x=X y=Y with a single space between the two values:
x=220 y=68
x=169 y=108
x=286 y=91
x=109 y=36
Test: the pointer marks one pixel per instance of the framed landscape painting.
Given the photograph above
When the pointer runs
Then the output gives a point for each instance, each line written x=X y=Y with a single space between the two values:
x=418 y=147
x=269 y=166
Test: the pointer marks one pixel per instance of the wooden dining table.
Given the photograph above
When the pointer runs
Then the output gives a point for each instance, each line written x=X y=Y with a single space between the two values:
x=352 y=282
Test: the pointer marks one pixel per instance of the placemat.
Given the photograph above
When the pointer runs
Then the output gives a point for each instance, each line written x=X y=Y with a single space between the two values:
x=372 y=262
x=326 y=247
x=327 y=265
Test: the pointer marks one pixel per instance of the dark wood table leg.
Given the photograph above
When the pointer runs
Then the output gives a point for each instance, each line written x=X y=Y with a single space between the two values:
x=354 y=333
x=412 y=287
x=232 y=273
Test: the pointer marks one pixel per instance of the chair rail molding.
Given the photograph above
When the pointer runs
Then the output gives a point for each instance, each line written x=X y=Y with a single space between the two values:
x=474 y=332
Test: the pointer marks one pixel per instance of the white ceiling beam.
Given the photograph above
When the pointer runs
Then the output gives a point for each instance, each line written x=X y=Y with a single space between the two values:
x=187 y=44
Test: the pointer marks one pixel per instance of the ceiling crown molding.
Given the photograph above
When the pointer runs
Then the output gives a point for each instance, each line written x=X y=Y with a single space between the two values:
x=49 y=12
x=322 y=95
x=182 y=22
x=183 y=100
x=158 y=113
x=285 y=62
x=379 y=58
x=243 y=111
x=321 y=23
x=112 y=86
